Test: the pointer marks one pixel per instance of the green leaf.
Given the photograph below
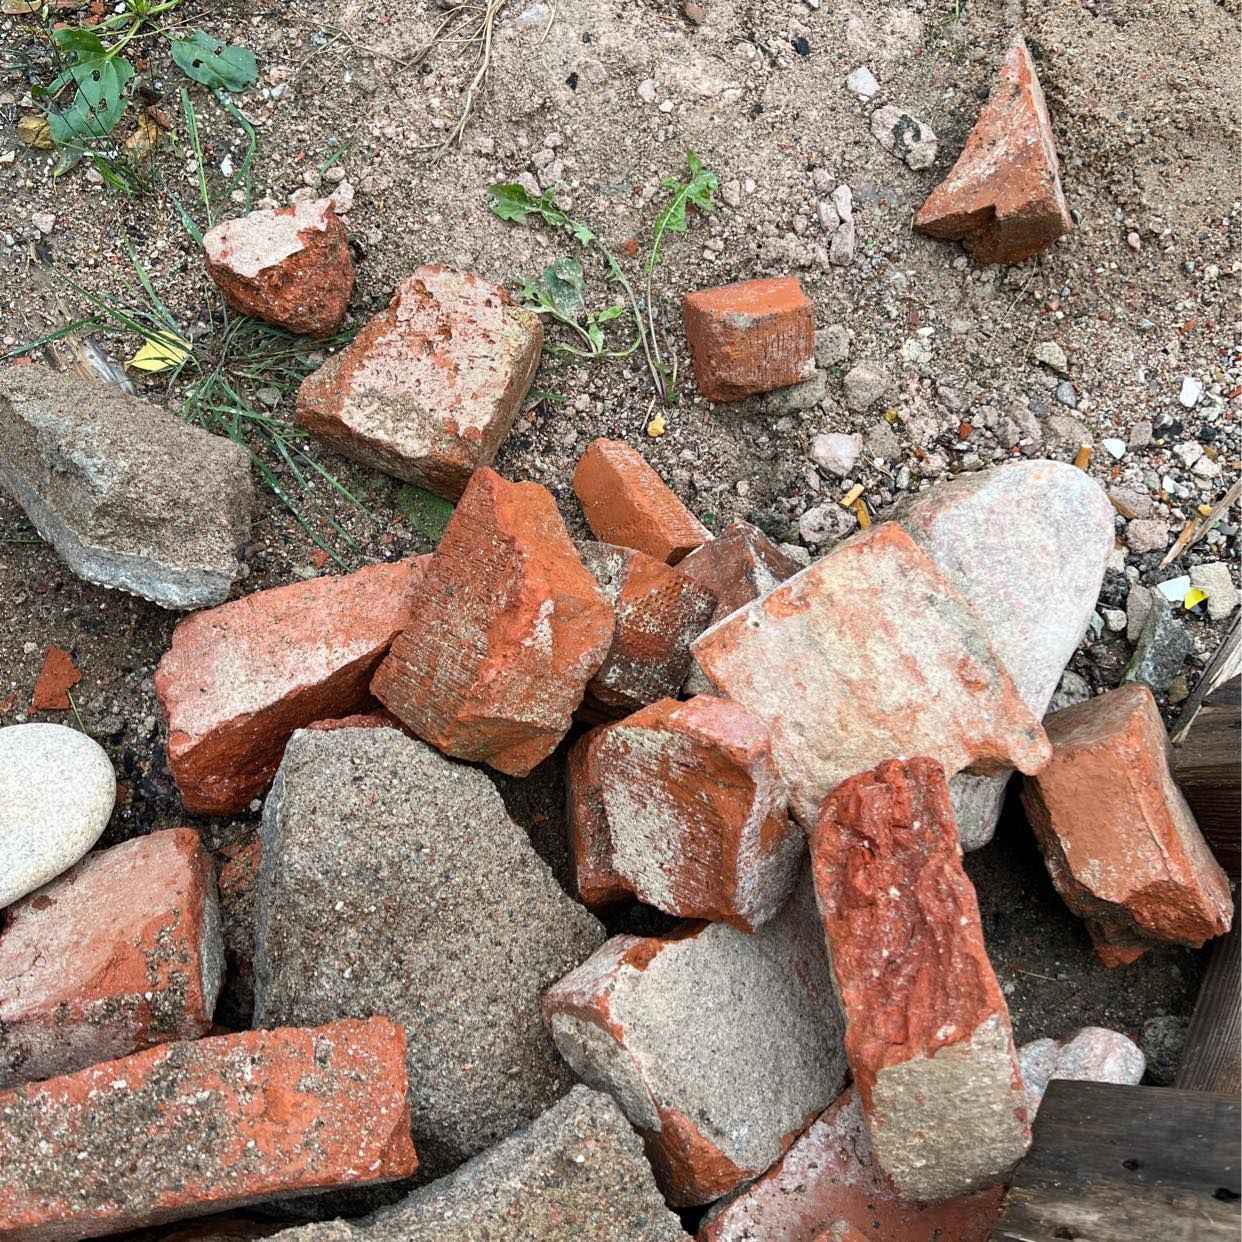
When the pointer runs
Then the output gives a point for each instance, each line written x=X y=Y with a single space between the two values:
x=78 y=41
x=425 y=511
x=213 y=63
x=595 y=334
x=566 y=287
x=609 y=313
x=698 y=191
x=510 y=201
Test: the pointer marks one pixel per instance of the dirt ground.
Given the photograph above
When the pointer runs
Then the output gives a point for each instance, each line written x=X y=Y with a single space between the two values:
x=602 y=99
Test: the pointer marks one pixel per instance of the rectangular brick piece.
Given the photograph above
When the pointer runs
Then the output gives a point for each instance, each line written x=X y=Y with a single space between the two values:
x=120 y=952
x=927 y=1030
x=1121 y=845
x=628 y=504
x=192 y=1128
x=239 y=679
x=827 y=1183
x=867 y=654
x=750 y=337
x=507 y=628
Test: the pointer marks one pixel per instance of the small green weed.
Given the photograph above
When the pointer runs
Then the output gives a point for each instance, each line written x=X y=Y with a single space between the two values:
x=425 y=511
x=560 y=292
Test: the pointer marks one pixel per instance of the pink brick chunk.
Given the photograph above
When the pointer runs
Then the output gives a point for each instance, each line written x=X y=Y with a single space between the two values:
x=867 y=654
x=927 y=1029
x=193 y=1128
x=239 y=679
x=1120 y=843
x=828 y=1184
x=120 y=952
x=691 y=813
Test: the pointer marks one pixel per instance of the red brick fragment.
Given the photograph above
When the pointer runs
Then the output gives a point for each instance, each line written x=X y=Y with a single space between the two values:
x=430 y=387
x=828 y=1186
x=507 y=627
x=626 y=503
x=1120 y=842
x=927 y=1029
x=382 y=719
x=192 y=1128
x=239 y=679
x=738 y=566
x=290 y=266
x=659 y=613
x=681 y=805
x=750 y=337
x=56 y=678
x=120 y=952
x=1003 y=199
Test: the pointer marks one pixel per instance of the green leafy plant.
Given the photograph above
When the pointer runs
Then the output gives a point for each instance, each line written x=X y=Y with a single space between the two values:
x=88 y=95
x=560 y=292
x=425 y=511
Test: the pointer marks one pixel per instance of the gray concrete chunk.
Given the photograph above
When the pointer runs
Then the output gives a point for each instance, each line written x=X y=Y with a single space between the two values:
x=130 y=496
x=393 y=882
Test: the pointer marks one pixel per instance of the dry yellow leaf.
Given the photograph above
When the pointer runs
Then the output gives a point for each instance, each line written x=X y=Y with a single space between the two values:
x=160 y=352
x=656 y=427
x=32 y=130
x=145 y=137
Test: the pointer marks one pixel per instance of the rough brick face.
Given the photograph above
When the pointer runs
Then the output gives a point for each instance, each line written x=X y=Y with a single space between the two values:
x=738 y=566
x=1121 y=845
x=867 y=654
x=659 y=613
x=927 y=1029
x=121 y=952
x=429 y=388
x=718 y=1046
x=828 y=1187
x=239 y=679
x=750 y=337
x=1003 y=198
x=628 y=504
x=290 y=266
x=507 y=628
x=681 y=805
x=192 y=1128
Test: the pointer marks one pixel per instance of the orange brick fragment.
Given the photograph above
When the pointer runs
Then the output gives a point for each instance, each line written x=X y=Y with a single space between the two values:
x=239 y=679
x=1120 y=842
x=120 y=952
x=506 y=629
x=57 y=677
x=1003 y=198
x=927 y=1030
x=628 y=504
x=681 y=805
x=659 y=613
x=738 y=566
x=828 y=1186
x=192 y=1128
x=750 y=337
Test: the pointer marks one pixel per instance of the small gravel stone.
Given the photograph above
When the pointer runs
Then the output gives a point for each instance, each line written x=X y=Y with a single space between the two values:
x=1116 y=449
x=1070 y=690
x=825 y=524
x=865 y=384
x=1214 y=579
x=1052 y=356
x=1188 y=452
x=832 y=345
x=1141 y=434
x=1162 y=648
x=1066 y=394
x=1147 y=535
x=836 y=452
x=905 y=136
x=1192 y=390
x=1114 y=619
x=57 y=791
x=1138 y=605
x=1162 y=1041
x=862 y=82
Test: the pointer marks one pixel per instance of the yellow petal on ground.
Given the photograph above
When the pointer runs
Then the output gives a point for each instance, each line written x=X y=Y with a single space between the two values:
x=162 y=352
x=656 y=427
x=32 y=130
x=1193 y=596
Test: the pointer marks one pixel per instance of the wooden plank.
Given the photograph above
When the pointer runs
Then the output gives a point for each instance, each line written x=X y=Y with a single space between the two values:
x=1208 y=767
x=1128 y=1164
x=1224 y=665
x=1210 y=1059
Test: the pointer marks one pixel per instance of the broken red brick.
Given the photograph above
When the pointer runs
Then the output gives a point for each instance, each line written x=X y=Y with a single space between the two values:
x=192 y=1128
x=681 y=805
x=430 y=387
x=289 y=266
x=659 y=613
x=626 y=503
x=750 y=337
x=1003 y=199
x=239 y=679
x=867 y=654
x=382 y=719
x=828 y=1186
x=120 y=952
x=57 y=677
x=1121 y=845
x=506 y=630
x=927 y=1030
x=720 y=1047
x=738 y=566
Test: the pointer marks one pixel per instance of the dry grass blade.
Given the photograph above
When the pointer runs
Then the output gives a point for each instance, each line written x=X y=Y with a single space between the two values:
x=1195 y=529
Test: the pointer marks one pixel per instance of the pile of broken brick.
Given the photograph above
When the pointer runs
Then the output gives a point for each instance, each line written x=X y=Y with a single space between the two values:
x=787 y=757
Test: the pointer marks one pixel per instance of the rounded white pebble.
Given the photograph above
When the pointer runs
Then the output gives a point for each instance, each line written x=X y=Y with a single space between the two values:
x=57 y=791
